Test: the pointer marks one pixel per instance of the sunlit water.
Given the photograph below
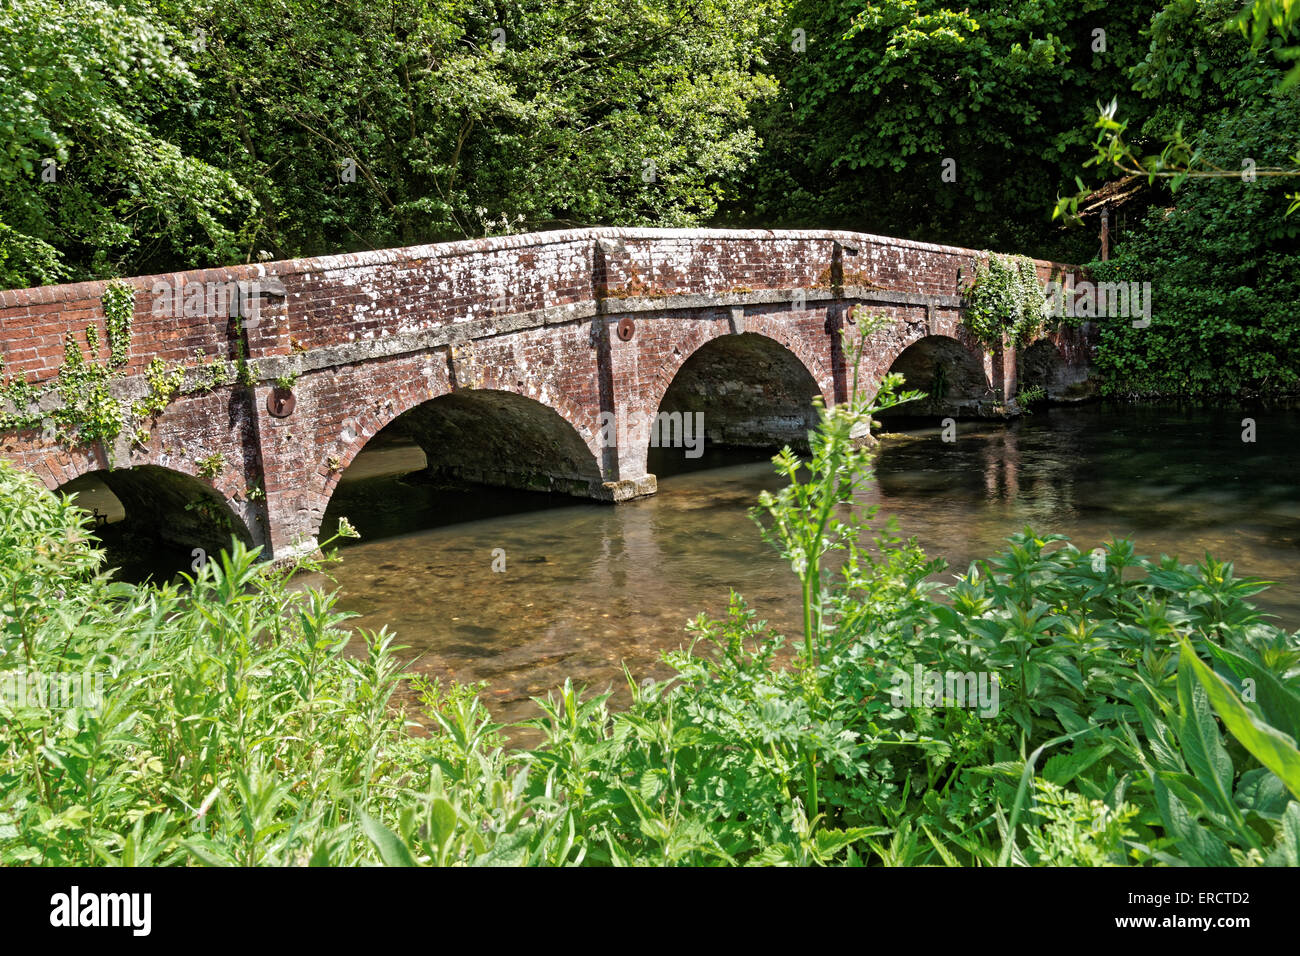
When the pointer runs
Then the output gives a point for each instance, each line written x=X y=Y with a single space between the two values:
x=588 y=589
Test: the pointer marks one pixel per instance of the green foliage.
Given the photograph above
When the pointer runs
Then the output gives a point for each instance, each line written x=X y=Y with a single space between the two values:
x=118 y=303
x=207 y=743
x=23 y=396
x=887 y=91
x=164 y=385
x=1218 y=248
x=1005 y=300
x=209 y=375
x=232 y=728
x=1223 y=267
x=211 y=466
x=192 y=132
x=1028 y=396
x=85 y=89
x=27 y=261
x=1078 y=831
x=1198 y=64
x=89 y=411
x=736 y=759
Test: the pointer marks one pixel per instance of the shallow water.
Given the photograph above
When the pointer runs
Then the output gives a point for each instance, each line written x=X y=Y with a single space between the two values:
x=589 y=588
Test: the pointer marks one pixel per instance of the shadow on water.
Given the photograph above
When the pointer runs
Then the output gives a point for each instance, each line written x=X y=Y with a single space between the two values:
x=587 y=587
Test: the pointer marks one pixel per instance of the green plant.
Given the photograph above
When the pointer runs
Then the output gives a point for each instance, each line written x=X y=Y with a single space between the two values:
x=164 y=385
x=1005 y=300
x=210 y=375
x=89 y=411
x=1028 y=396
x=211 y=466
x=118 y=302
x=286 y=382
x=255 y=739
x=22 y=395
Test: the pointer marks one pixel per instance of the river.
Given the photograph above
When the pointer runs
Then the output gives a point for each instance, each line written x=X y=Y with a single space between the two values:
x=588 y=588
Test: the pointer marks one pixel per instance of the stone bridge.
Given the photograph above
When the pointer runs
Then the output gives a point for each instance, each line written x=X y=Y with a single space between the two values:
x=531 y=361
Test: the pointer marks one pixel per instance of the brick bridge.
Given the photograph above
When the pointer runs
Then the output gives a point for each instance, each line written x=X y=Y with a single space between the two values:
x=506 y=359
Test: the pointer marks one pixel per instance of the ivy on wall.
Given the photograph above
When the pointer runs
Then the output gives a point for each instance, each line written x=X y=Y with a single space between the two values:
x=88 y=411
x=1005 y=299
x=118 y=301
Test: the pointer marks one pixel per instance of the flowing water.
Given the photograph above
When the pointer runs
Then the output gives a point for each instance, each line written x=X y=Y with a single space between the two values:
x=588 y=588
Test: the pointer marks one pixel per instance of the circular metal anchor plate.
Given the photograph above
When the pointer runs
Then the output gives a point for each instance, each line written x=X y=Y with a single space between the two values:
x=626 y=329
x=281 y=403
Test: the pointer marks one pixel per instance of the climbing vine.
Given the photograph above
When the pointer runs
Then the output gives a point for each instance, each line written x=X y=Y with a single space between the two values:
x=118 y=301
x=1005 y=299
x=164 y=384
x=89 y=412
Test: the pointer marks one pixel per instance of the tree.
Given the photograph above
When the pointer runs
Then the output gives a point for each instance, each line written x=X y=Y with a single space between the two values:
x=1217 y=247
x=889 y=96
x=90 y=185
x=363 y=124
x=199 y=132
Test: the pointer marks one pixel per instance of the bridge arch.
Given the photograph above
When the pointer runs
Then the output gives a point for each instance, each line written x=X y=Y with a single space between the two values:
x=950 y=373
x=487 y=436
x=754 y=388
x=153 y=517
x=789 y=339
x=1043 y=365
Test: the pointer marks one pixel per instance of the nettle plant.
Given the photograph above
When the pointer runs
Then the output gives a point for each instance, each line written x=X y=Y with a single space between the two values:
x=1005 y=300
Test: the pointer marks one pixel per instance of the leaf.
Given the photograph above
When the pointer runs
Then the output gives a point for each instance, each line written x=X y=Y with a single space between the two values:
x=1062 y=768
x=208 y=852
x=1279 y=704
x=945 y=854
x=653 y=782
x=511 y=849
x=1269 y=746
x=830 y=842
x=1287 y=852
x=1198 y=732
x=1198 y=845
x=442 y=821
x=1261 y=791
x=390 y=846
